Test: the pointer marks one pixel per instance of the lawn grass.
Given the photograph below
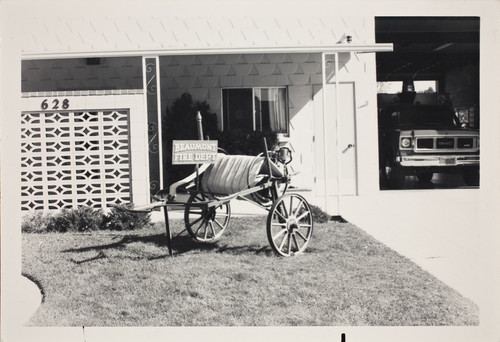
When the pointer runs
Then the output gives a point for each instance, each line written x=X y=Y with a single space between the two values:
x=345 y=278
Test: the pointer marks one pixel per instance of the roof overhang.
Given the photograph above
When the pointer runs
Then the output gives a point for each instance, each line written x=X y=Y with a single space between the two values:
x=361 y=48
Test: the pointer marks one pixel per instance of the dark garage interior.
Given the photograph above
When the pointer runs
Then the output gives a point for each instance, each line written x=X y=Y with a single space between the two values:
x=444 y=50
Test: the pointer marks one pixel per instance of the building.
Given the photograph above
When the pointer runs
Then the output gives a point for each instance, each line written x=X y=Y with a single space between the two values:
x=93 y=63
x=94 y=89
x=91 y=108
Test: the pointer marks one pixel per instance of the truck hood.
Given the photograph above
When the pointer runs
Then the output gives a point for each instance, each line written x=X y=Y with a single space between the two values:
x=441 y=132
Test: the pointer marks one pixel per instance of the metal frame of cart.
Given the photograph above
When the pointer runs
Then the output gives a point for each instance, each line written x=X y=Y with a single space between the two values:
x=207 y=212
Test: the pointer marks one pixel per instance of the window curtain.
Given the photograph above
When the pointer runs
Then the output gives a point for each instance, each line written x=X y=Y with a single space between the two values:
x=277 y=109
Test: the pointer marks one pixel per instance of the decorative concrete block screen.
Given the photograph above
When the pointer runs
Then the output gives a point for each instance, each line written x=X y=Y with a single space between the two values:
x=74 y=158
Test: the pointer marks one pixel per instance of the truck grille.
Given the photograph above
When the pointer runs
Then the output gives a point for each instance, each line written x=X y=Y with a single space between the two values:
x=425 y=143
x=465 y=142
x=446 y=144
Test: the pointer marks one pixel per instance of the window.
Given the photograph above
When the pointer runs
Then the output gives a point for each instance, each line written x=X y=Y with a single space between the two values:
x=255 y=109
x=395 y=87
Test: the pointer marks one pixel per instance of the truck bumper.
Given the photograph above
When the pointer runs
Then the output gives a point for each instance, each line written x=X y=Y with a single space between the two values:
x=438 y=161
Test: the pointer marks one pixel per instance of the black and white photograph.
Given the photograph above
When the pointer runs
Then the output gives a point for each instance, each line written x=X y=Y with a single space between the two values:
x=210 y=170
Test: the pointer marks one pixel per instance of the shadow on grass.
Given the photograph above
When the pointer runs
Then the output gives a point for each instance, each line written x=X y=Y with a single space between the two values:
x=239 y=250
x=181 y=244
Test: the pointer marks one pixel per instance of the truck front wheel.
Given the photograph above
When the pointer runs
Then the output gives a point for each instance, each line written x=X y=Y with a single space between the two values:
x=425 y=177
x=393 y=174
x=471 y=177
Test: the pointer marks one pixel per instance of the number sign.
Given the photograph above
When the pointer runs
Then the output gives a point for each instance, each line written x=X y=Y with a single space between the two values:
x=55 y=104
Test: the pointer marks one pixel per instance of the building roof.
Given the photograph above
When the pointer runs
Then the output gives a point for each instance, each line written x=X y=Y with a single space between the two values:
x=67 y=32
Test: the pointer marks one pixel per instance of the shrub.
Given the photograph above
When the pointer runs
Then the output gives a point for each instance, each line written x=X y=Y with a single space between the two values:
x=121 y=219
x=35 y=222
x=81 y=219
x=84 y=219
x=238 y=141
x=180 y=120
x=319 y=216
x=180 y=124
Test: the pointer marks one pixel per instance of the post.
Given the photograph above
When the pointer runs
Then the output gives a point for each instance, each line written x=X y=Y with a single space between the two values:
x=200 y=137
x=151 y=86
x=200 y=127
x=268 y=161
x=169 y=233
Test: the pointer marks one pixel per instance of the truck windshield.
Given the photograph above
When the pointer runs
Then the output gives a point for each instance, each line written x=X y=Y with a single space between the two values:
x=421 y=116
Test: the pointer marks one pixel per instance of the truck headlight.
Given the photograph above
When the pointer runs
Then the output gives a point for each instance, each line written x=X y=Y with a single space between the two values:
x=405 y=142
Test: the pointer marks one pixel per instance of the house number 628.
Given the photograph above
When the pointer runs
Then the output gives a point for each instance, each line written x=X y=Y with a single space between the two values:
x=56 y=104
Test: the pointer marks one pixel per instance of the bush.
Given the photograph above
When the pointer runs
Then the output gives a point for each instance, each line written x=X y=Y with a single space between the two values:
x=84 y=219
x=81 y=219
x=180 y=120
x=251 y=143
x=35 y=222
x=180 y=124
x=319 y=216
x=121 y=219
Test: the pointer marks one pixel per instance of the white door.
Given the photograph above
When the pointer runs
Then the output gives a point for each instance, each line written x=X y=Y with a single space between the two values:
x=346 y=137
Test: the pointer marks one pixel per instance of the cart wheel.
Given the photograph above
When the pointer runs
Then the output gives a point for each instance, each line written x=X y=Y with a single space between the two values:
x=206 y=224
x=289 y=225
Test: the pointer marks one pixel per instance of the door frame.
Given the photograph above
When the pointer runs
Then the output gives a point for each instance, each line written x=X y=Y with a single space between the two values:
x=325 y=62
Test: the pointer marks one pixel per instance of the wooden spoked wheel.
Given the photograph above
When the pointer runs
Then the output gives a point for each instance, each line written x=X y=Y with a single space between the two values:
x=289 y=225
x=204 y=223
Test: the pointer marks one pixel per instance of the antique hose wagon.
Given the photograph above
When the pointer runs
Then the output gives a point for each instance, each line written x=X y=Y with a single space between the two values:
x=262 y=180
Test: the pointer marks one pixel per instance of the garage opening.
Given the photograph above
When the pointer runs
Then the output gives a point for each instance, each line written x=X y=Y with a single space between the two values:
x=428 y=102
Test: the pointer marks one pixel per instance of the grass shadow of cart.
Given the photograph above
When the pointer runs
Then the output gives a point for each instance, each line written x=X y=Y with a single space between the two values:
x=149 y=246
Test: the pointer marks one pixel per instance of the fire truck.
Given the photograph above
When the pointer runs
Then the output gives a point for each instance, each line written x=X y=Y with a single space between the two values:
x=420 y=134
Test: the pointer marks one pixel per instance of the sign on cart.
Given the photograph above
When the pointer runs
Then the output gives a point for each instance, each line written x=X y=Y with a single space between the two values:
x=194 y=151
